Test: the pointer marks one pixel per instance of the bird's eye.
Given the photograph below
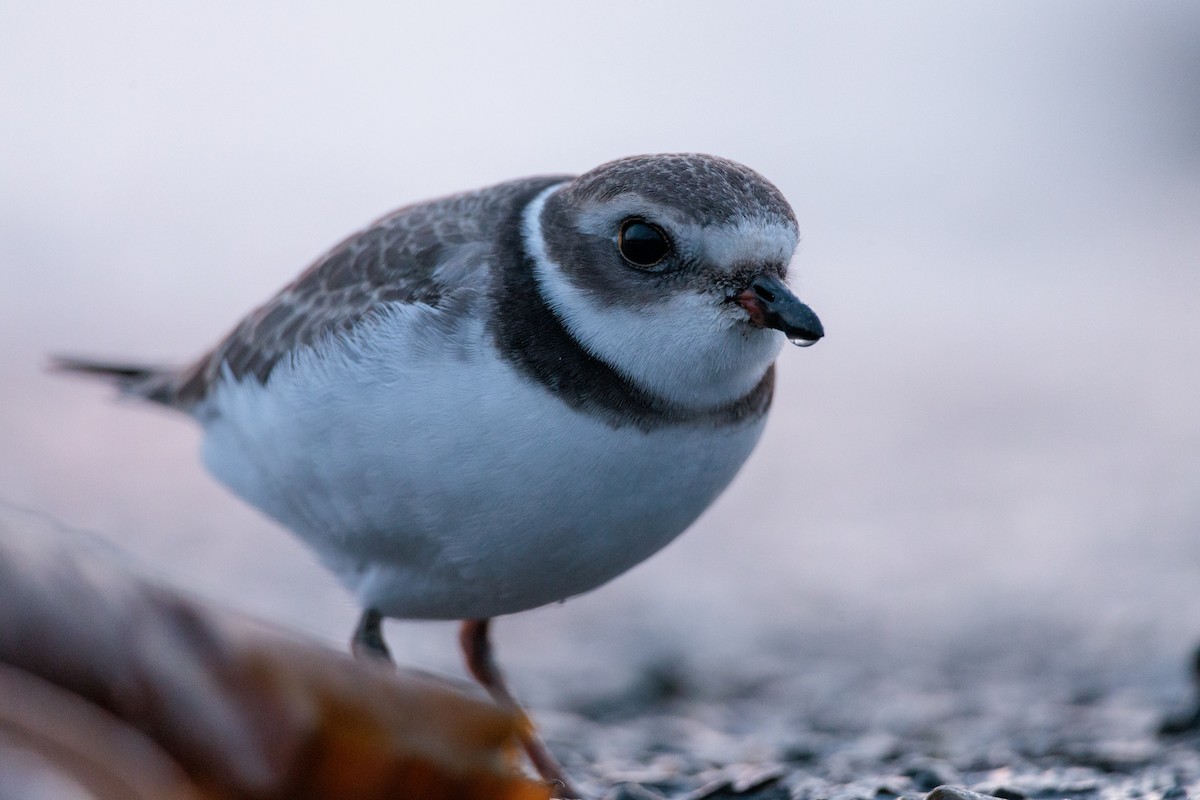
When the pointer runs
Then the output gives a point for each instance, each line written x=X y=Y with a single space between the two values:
x=642 y=244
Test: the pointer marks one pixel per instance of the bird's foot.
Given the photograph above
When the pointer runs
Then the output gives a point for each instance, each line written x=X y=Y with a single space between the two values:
x=368 y=642
x=546 y=764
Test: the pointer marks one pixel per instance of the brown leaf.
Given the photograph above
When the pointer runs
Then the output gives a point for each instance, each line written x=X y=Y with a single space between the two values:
x=243 y=710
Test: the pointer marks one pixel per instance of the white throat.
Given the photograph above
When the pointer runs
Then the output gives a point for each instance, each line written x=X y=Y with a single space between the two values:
x=689 y=349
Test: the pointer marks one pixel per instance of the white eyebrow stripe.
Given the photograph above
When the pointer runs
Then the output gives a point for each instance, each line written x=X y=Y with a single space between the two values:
x=746 y=241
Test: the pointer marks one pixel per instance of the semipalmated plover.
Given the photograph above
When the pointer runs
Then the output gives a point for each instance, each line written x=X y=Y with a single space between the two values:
x=500 y=399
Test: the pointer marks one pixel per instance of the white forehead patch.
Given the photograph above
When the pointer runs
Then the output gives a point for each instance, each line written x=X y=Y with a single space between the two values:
x=747 y=241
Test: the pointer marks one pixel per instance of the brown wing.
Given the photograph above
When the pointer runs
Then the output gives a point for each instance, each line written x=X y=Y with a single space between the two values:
x=387 y=262
x=415 y=255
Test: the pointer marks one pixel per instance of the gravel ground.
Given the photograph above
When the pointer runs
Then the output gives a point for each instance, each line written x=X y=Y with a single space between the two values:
x=1013 y=715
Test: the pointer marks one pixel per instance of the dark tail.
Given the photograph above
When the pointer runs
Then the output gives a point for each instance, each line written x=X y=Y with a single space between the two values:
x=155 y=384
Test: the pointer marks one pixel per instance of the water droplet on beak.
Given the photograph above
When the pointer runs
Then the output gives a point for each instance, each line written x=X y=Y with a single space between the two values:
x=800 y=341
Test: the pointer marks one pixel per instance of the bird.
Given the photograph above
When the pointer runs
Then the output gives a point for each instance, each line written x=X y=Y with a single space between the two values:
x=503 y=398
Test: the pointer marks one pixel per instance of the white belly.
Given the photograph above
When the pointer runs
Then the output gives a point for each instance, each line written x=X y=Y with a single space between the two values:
x=442 y=484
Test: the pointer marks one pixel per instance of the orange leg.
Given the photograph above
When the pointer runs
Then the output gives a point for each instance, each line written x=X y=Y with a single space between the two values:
x=477 y=648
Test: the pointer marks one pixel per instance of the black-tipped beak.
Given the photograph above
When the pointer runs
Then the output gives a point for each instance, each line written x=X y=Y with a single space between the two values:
x=772 y=305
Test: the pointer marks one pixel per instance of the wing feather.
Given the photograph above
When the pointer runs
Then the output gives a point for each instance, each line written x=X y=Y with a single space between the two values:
x=419 y=254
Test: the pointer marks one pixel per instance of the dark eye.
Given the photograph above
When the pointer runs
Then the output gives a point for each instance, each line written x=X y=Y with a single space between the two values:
x=642 y=244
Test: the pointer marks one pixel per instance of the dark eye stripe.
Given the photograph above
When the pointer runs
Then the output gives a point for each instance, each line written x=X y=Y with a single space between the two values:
x=642 y=244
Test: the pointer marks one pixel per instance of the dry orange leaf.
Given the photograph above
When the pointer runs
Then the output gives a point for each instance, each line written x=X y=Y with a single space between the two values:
x=132 y=679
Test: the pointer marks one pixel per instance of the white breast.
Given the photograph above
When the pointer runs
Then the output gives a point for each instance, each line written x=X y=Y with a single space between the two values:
x=440 y=483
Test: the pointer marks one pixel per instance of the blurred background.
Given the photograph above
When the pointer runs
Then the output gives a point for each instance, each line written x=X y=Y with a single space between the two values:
x=997 y=446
